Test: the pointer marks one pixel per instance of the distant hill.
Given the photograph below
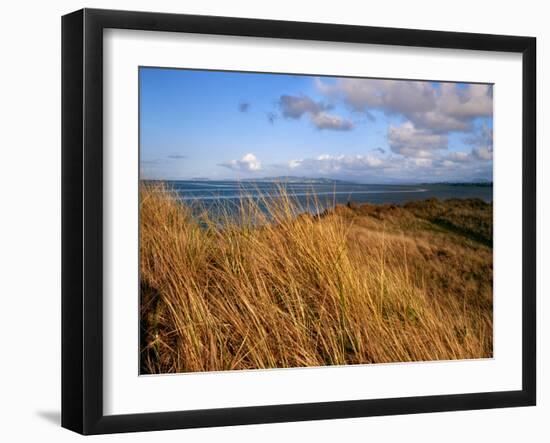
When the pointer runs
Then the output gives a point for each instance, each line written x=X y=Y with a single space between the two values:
x=294 y=179
x=487 y=184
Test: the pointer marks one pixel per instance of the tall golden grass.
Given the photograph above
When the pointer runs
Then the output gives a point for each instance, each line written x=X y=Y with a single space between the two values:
x=273 y=289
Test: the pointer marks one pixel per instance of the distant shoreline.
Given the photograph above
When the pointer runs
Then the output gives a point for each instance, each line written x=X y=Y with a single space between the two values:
x=208 y=192
x=325 y=181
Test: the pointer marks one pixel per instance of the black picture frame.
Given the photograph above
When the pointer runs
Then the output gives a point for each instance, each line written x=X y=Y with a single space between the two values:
x=82 y=218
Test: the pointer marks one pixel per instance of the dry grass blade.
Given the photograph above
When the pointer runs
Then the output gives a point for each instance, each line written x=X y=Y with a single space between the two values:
x=274 y=287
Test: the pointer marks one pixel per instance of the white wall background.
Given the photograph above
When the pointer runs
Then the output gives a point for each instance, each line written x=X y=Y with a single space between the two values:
x=30 y=96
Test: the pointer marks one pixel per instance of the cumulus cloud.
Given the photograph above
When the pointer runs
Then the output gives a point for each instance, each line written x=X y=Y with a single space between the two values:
x=388 y=95
x=328 y=121
x=456 y=107
x=422 y=162
x=293 y=164
x=244 y=106
x=482 y=144
x=449 y=166
x=249 y=163
x=410 y=141
x=382 y=168
x=480 y=155
x=459 y=156
x=473 y=100
x=482 y=137
x=483 y=153
x=439 y=122
x=294 y=107
x=449 y=107
x=335 y=164
x=417 y=149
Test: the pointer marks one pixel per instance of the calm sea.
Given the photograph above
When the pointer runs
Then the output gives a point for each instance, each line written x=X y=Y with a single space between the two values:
x=212 y=193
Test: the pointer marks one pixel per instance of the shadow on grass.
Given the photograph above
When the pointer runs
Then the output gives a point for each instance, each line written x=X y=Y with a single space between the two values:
x=480 y=238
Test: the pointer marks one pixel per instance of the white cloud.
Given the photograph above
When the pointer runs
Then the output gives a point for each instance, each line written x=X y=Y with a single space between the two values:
x=482 y=137
x=483 y=153
x=410 y=141
x=480 y=155
x=482 y=144
x=388 y=95
x=450 y=107
x=381 y=168
x=326 y=164
x=456 y=108
x=468 y=102
x=422 y=162
x=249 y=163
x=439 y=122
x=328 y=121
x=459 y=156
x=292 y=164
x=294 y=107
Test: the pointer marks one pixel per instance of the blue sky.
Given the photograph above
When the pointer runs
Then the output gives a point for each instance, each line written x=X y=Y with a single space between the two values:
x=232 y=125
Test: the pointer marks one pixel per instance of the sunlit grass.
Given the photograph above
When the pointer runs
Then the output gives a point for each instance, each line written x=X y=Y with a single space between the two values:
x=265 y=285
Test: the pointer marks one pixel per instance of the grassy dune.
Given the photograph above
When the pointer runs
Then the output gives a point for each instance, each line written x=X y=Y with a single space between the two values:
x=357 y=284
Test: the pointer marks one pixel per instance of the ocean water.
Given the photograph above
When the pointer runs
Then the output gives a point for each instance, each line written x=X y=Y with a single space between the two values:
x=211 y=194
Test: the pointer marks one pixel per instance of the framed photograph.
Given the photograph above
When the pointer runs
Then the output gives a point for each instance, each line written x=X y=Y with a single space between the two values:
x=268 y=221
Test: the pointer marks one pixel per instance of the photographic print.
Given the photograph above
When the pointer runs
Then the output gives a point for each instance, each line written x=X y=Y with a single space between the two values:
x=302 y=220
